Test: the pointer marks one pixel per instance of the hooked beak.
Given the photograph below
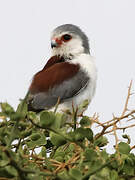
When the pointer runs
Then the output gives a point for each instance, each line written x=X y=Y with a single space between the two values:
x=54 y=44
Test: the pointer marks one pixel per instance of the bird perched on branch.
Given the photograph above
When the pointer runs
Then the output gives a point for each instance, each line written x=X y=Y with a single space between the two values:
x=69 y=75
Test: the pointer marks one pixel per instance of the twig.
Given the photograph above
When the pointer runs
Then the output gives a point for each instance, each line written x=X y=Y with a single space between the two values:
x=133 y=147
x=115 y=121
x=125 y=107
x=57 y=104
x=126 y=127
x=116 y=140
x=127 y=99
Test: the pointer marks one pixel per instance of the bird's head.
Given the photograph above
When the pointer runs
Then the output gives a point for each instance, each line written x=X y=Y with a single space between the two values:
x=68 y=40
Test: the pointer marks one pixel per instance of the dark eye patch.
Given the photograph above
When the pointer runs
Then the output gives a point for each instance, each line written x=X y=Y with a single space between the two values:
x=66 y=37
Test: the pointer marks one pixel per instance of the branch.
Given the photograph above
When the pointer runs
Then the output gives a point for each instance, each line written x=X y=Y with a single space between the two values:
x=127 y=99
x=116 y=120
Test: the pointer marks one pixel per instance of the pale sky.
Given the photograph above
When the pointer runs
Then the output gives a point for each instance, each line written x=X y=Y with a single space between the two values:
x=25 y=28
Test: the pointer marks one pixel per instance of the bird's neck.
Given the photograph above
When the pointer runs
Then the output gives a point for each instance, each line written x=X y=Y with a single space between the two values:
x=63 y=56
x=68 y=52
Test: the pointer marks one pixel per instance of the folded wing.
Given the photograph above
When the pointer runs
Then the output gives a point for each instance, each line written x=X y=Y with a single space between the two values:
x=61 y=80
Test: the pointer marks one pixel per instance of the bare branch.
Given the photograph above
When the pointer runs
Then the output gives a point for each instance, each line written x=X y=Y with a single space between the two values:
x=127 y=99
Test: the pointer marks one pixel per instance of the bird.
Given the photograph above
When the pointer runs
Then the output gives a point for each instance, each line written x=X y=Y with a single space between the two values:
x=69 y=75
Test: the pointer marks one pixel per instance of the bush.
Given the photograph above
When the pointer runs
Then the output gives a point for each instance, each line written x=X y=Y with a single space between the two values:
x=45 y=146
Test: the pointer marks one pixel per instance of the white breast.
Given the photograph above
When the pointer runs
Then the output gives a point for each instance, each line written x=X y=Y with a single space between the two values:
x=88 y=65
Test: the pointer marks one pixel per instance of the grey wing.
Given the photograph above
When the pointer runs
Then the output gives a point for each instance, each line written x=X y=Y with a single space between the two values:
x=68 y=89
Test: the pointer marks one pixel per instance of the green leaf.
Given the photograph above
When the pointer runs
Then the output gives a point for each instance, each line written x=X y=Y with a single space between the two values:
x=16 y=116
x=6 y=108
x=115 y=164
x=101 y=141
x=90 y=154
x=46 y=118
x=8 y=172
x=85 y=121
x=59 y=153
x=128 y=169
x=15 y=135
x=35 y=136
x=94 y=177
x=41 y=140
x=59 y=156
x=36 y=140
x=3 y=114
x=68 y=157
x=104 y=154
x=75 y=174
x=31 y=115
x=70 y=148
x=113 y=175
x=78 y=134
x=104 y=173
x=23 y=125
x=57 y=140
x=124 y=148
x=60 y=119
x=22 y=109
x=81 y=133
x=26 y=133
x=63 y=175
x=88 y=134
x=4 y=162
x=43 y=151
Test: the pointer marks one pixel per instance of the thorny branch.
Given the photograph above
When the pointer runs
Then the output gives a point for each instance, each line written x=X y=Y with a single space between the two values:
x=112 y=125
x=127 y=99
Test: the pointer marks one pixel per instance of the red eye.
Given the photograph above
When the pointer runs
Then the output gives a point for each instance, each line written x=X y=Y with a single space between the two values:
x=66 y=37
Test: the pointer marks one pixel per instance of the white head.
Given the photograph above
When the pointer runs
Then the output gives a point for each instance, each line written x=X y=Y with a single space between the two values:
x=68 y=40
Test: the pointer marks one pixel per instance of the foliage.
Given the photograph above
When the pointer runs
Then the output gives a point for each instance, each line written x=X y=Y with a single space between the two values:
x=46 y=146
